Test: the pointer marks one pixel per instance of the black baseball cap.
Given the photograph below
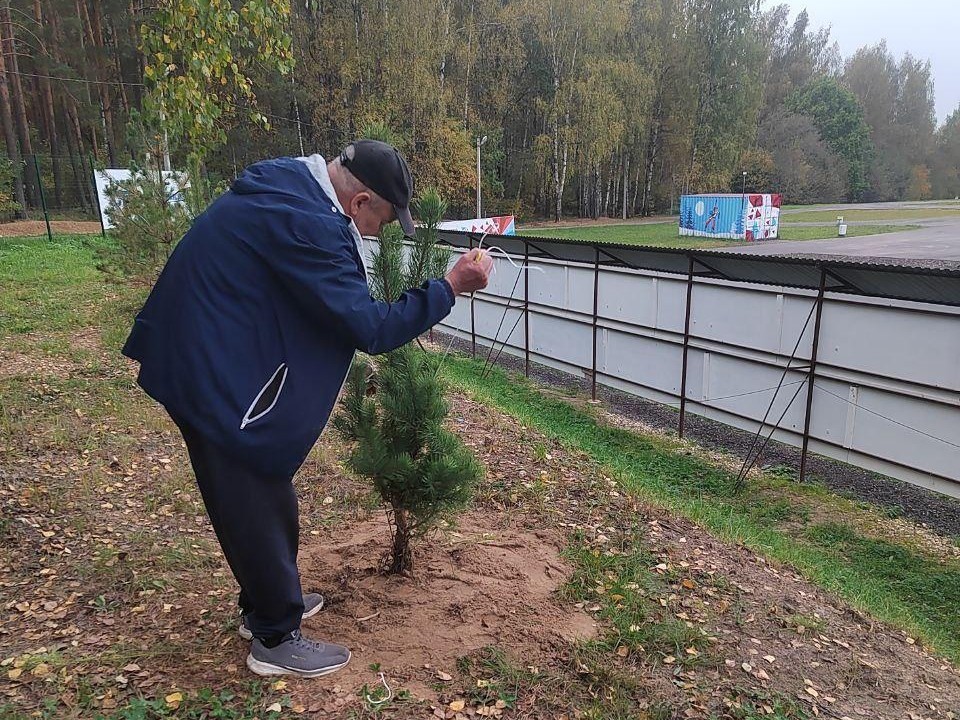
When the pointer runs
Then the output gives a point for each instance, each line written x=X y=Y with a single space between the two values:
x=381 y=168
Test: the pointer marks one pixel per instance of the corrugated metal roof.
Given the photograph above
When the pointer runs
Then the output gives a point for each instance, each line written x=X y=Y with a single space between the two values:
x=894 y=279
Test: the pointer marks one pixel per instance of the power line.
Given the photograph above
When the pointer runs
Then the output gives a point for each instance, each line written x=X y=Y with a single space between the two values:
x=77 y=80
x=119 y=83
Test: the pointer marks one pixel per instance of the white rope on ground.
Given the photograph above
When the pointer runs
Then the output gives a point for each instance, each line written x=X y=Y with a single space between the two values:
x=381 y=701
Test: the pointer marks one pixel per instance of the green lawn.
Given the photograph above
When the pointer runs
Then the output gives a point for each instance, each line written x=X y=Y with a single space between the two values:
x=666 y=234
x=880 y=215
x=47 y=285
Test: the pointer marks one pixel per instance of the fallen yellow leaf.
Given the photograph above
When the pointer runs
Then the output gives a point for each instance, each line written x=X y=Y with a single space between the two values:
x=279 y=685
x=173 y=699
x=15 y=673
x=446 y=677
x=276 y=707
x=458 y=705
x=41 y=670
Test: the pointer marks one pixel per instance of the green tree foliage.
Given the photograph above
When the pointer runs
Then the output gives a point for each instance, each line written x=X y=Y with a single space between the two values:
x=794 y=55
x=806 y=169
x=919 y=187
x=146 y=225
x=898 y=104
x=591 y=107
x=946 y=161
x=761 y=172
x=8 y=200
x=728 y=88
x=839 y=119
x=198 y=58
x=394 y=410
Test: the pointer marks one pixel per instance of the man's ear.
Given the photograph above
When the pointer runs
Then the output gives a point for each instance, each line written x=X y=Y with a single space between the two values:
x=358 y=202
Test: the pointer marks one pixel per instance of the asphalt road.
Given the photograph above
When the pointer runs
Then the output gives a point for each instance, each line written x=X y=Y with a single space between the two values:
x=938 y=239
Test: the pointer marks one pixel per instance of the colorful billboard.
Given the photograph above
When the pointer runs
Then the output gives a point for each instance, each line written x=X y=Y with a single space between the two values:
x=503 y=225
x=735 y=217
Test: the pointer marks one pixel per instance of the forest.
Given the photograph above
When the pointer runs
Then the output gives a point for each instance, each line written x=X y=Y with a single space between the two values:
x=589 y=107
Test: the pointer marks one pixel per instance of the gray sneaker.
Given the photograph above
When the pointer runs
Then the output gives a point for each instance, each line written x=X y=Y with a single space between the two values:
x=312 y=604
x=297 y=656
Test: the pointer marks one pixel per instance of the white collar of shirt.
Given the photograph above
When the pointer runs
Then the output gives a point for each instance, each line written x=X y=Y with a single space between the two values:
x=318 y=168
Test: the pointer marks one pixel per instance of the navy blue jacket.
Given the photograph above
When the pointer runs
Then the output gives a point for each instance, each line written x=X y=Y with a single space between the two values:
x=251 y=327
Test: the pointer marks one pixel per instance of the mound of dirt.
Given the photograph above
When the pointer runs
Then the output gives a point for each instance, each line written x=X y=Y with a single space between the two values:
x=472 y=588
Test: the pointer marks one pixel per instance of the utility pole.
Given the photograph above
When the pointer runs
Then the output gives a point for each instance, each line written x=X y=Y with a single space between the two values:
x=480 y=141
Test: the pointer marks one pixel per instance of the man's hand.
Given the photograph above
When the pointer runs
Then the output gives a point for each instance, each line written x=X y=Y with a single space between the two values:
x=471 y=272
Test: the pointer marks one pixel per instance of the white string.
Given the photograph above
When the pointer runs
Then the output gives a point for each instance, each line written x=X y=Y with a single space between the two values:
x=506 y=256
x=509 y=259
x=382 y=701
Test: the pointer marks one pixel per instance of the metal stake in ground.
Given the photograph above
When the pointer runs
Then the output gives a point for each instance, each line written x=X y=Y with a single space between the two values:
x=43 y=197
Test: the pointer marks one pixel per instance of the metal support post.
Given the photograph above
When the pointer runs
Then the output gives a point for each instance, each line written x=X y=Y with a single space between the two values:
x=686 y=348
x=812 y=374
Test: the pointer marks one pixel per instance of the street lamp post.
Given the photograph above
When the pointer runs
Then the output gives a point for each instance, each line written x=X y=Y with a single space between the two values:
x=743 y=197
x=480 y=141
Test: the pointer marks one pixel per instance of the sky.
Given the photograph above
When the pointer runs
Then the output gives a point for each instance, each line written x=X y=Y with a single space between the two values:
x=928 y=29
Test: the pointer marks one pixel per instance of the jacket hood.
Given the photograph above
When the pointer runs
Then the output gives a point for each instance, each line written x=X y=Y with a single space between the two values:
x=284 y=176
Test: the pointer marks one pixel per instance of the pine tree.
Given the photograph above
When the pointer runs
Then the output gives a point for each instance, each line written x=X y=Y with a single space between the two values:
x=394 y=409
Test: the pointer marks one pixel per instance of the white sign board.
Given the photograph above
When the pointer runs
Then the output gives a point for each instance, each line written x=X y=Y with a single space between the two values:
x=176 y=183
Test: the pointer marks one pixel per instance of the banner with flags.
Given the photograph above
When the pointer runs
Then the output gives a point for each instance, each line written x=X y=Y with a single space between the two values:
x=503 y=225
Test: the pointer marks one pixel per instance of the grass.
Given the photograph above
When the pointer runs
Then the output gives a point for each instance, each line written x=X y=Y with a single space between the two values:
x=666 y=234
x=625 y=588
x=914 y=592
x=58 y=281
x=47 y=286
x=867 y=215
x=753 y=705
x=256 y=702
x=599 y=691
